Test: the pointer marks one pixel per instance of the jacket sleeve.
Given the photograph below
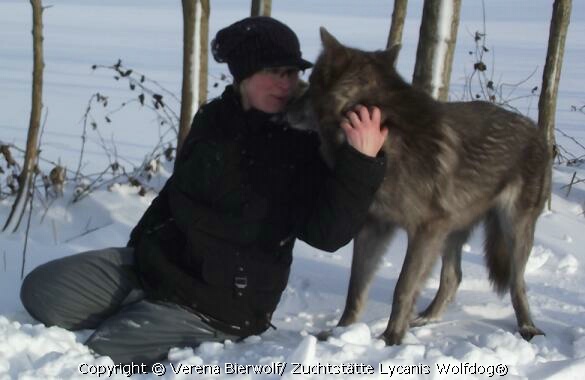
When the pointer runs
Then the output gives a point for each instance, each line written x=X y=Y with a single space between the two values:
x=157 y=212
x=337 y=201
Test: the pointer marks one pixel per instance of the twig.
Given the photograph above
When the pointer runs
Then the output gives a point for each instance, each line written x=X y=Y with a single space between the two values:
x=12 y=146
x=26 y=235
x=32 y=192
x=47 y=207
x=88 y=189
x=55 y=238
x=571 y=184
x=87 y=232
x=571 y=138
x=561 y=156
x=487 y=89
x=88 y=223
x=84 y=134
x=118 y=67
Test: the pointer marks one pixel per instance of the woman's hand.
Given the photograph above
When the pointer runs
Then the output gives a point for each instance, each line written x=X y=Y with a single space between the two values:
x=363 y=130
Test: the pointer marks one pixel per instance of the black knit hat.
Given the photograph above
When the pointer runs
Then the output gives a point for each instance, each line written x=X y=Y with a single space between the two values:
x=256 y=43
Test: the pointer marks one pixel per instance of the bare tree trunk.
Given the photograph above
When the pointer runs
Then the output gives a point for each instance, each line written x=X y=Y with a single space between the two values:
x=26 y=176
x=398 y=17
x=436 y=44
x=547 y=102
x=203 y=50
x=195 y=51
x=261 y=8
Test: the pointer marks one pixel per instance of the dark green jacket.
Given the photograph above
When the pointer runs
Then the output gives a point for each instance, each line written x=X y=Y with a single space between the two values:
x=219 y=237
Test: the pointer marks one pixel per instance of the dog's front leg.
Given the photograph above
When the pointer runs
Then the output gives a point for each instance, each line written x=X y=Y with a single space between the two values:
x=424 y=246
x=369 y=247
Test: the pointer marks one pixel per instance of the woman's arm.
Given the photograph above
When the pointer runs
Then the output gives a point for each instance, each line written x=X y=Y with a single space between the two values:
x=336 y=203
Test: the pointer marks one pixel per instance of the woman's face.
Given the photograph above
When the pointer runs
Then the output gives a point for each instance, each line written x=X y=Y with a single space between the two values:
x=269 y=90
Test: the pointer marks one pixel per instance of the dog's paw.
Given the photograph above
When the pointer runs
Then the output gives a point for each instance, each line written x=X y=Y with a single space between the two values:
x=421 y=320
x=324 y=335
x=391 y=338
x=529 y=332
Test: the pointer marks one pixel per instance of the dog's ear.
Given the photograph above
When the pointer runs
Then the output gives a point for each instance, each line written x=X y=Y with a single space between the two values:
x=329 y=42
x=391 y=54
x=334 y=52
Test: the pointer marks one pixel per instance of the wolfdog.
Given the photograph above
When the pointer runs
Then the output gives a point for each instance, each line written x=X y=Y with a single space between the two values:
x=450 y=166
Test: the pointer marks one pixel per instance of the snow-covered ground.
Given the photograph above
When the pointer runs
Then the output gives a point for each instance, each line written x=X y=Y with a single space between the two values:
x=476 y=338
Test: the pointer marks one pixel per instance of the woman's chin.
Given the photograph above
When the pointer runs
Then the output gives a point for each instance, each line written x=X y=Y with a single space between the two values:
x=273 y=107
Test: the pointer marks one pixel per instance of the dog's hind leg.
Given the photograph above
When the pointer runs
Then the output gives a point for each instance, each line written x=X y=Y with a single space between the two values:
x=450 y=278
x=423 y=249
x=509 y=238
x=368 y=248
x=523 y=232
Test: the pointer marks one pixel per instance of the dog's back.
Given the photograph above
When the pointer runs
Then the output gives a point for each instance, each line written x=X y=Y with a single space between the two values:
x=458 y=161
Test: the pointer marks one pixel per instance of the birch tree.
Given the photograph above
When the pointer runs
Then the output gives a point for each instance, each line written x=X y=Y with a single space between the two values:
x=261 y=8
x=547 y=103
x=25 y=179
x=195 y=53
x=436 y=44
x=397 y=25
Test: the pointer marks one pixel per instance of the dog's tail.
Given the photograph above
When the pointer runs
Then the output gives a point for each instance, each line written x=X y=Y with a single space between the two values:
x=497 y=253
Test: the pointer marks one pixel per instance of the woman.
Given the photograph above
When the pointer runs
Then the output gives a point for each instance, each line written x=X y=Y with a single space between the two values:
x=210 y=257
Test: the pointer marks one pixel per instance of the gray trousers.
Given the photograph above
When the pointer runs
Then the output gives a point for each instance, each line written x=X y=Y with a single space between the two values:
x=99 y=290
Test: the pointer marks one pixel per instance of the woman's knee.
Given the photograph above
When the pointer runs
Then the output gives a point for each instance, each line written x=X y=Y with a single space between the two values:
x=34 y=295
x=79 y=291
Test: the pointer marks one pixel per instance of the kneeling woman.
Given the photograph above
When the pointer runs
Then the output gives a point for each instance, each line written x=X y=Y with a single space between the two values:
x=210 y=257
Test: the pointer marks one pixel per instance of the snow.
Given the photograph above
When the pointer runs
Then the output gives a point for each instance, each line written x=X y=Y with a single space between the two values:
x=477 y=336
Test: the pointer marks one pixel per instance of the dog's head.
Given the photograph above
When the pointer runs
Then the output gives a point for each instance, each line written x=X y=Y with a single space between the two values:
x=342 y=78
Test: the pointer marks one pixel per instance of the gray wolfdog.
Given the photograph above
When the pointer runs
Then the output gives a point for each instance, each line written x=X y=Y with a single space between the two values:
x=450 y=166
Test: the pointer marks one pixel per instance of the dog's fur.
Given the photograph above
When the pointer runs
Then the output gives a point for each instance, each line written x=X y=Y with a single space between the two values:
x=450 y=166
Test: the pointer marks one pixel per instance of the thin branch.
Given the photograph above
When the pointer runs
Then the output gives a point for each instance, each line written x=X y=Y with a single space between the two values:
x=570 y=137
x=87 y=232
x=31 y=198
